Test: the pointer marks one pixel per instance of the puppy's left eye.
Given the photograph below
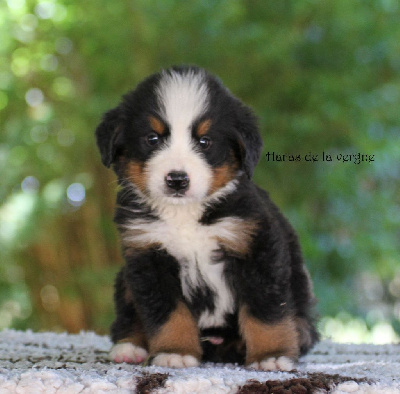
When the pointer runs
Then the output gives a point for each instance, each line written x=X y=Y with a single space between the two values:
x=205 y=142
x=153 y=139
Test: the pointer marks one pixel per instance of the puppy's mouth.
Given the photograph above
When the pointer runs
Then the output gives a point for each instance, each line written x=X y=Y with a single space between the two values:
x=176 y=194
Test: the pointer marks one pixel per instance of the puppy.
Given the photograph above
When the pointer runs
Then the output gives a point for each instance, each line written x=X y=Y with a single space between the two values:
x=213 y=270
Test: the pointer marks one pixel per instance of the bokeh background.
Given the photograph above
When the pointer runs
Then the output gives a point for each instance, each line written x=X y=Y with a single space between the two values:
x=323 y=76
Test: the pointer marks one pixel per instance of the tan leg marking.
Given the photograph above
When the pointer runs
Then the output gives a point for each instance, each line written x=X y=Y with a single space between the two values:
x=178 y=335
x=268 y=340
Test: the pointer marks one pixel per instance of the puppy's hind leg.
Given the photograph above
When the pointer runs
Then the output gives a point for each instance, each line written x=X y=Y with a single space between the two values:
x=171 y=330
x=130 y=344
x=269 y=346
x=176 y=343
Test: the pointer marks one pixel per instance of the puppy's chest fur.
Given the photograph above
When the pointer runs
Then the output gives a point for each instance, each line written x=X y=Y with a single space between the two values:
x=198 y=249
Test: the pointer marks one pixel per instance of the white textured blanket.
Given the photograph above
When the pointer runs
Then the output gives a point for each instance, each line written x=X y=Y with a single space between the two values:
x=62 y=363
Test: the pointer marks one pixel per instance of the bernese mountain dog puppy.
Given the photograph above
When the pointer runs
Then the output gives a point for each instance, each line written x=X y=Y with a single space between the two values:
x=213 y=270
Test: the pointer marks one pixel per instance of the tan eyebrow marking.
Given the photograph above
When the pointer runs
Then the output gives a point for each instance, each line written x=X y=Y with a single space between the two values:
x=203 y=127
x=157 y=125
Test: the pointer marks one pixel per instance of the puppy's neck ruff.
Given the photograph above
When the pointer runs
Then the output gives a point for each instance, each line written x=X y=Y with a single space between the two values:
x=168 y=208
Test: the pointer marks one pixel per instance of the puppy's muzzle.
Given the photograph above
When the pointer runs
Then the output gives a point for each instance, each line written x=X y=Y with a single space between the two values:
x=177 y=182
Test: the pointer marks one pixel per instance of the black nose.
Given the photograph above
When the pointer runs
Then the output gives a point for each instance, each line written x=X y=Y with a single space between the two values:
x=177 y=180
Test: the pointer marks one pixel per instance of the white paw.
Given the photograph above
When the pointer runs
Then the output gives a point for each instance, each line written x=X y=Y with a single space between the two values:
x=274 y=364
x=175 y=360
x=128 y=353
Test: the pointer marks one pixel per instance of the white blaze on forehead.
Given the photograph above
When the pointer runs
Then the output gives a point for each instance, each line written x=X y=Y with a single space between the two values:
x=183 y=98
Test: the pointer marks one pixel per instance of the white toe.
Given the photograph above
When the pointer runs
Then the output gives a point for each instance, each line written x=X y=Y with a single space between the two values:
x=128 y=353
x=274 y=364
x=285 y=363
x=175 y=360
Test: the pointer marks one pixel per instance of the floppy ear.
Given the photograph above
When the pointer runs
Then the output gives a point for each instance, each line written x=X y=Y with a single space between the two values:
x=251 y=142
x=109 y=136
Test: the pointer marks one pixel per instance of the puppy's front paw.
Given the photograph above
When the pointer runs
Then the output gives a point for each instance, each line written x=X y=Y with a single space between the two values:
x=175 y=360
x=274 y=364
x=128 y=353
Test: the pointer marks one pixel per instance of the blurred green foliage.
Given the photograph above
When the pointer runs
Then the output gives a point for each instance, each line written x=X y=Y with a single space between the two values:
x=323 y=76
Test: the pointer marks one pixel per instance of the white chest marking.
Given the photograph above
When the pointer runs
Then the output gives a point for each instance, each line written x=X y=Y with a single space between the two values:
x=193 y=245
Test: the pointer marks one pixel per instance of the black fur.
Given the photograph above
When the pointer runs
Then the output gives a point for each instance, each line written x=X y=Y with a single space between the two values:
x=270 y=279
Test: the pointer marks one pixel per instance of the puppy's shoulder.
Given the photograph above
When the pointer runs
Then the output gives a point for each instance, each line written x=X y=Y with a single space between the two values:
x=251 y=201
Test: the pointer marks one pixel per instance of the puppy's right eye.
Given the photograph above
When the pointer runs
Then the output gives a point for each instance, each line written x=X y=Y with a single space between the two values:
x=153 y=139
